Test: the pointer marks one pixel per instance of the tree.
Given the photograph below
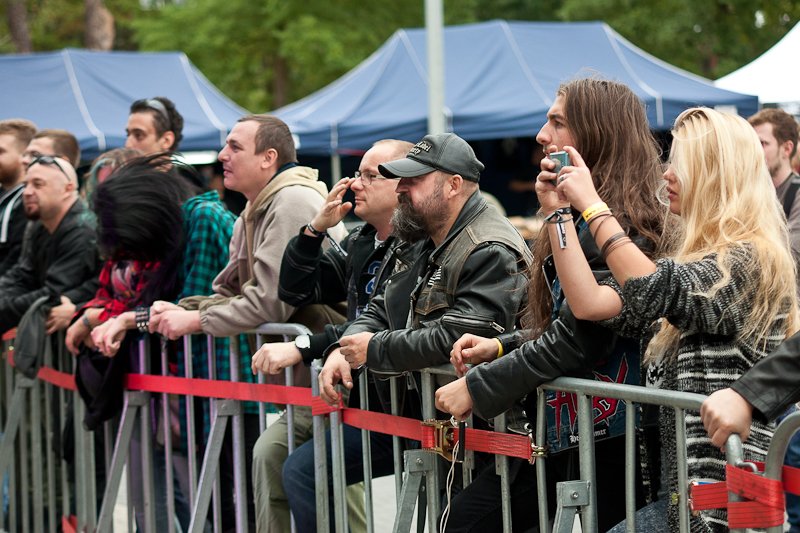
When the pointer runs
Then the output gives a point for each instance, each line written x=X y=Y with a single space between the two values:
x=99 y=26
x=17 y=18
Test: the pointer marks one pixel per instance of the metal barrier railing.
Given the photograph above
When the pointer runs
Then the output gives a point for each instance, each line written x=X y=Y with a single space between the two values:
x=16 y=453
x=421 y=465
x=24 y=462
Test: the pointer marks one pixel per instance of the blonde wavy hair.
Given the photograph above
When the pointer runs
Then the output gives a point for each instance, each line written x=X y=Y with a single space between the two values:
x=728 y=201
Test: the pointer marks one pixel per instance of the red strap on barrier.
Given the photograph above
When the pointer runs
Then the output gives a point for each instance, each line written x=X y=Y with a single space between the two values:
x=69 y=524
x=500 y=443
x=766 y=503
x=319 y=407
x=248 y=392
x=10 y=335
x=59 y=379
x=383 y=423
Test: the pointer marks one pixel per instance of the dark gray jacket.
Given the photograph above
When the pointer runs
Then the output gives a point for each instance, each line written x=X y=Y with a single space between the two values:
x=64 y=263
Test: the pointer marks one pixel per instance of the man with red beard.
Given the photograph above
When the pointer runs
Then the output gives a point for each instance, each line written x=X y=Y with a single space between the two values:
x=58 y=251
x=469 y=278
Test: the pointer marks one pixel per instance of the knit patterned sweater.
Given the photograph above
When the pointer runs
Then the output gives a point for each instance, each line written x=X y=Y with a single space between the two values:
x=710 y=356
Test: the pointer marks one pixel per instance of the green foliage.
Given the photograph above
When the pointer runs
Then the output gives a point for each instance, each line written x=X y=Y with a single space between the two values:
x=56 y=24
x=254 y=50
x=707 y=37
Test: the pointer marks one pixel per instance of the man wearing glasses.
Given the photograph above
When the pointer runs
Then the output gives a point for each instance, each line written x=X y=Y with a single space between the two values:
x=345 y=272
x=59 y=250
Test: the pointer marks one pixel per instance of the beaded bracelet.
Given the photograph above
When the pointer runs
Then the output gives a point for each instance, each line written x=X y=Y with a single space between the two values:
x=142 y=318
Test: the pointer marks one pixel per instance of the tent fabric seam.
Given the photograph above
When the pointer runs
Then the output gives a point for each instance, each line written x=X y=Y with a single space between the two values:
x=523 y=65
x=210 y=115
x=76 y=91
x=611 y=35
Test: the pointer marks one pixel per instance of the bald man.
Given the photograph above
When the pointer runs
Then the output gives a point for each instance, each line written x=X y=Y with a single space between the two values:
x=59 y=254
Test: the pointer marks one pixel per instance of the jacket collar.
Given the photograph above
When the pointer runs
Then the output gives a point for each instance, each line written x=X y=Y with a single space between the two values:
x=73 y=217
x=472 y=208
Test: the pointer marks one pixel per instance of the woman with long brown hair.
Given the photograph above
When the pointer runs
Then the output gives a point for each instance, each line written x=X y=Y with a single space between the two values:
x=606 y=122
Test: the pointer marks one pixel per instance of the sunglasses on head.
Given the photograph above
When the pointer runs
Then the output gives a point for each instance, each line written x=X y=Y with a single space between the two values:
x=49 y=160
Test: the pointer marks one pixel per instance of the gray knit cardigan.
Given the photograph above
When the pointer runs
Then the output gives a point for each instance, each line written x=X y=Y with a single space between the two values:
x=710 y=356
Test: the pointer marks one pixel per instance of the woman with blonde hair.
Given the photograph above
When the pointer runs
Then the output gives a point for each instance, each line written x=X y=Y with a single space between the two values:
x=722 y=301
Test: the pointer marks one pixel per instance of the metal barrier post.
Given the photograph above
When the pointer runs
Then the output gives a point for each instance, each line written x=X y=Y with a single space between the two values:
x=239 y=468
x=630 y=469
x=147 y=440
x=7 y=450
x=339 y=482
x=501 y=469
x=66 y=364
x=216 y=493
x=36 y=457
x=4 y=368
x=777 y=450
x=735 y=456
x=541 y=463
x=432 y=477
x=167 y=428
x=24 y=473
x=188 y=370
x=586 y=452
x=366 y=451
x=49 y=433
x=683 y=480
x=320 y=458
x=397 y=450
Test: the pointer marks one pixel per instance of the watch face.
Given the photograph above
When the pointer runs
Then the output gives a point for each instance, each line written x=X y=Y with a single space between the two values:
x=302 y=342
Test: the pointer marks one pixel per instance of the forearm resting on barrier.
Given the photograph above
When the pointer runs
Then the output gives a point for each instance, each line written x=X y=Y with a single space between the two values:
x=273 y=357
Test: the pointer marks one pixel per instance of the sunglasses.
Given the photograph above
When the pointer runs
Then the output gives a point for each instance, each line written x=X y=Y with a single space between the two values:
x=49 y=160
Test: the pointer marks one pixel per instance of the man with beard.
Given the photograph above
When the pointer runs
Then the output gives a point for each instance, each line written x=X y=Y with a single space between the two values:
x=59 y=253
x=15 y=134
x=469 y=278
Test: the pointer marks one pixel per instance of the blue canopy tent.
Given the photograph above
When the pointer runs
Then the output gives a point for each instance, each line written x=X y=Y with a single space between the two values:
x=501 y=78
x=89 y=94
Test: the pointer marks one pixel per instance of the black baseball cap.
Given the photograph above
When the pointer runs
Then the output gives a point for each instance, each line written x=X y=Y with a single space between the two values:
x=445 y=151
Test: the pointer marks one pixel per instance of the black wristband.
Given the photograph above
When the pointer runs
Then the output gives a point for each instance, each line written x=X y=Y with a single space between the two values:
x=142 y=317
x=315 y=233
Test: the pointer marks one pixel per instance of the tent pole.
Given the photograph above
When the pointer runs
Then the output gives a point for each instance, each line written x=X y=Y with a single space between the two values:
x=434 y=21
x=336 y=168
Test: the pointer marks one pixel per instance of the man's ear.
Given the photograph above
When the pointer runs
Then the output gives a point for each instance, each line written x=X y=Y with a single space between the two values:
x=456 y=185
x=269 y=158
x=786 y=149
x=166 y=140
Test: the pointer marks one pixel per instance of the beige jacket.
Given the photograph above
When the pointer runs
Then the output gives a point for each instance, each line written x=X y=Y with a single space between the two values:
x=246 y=291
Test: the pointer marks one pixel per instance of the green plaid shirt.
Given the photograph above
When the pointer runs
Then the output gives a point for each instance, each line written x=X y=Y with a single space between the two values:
x=208 y=226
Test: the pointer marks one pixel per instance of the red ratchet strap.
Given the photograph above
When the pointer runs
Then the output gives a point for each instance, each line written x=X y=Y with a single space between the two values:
x=765 y=497
x=10 y=335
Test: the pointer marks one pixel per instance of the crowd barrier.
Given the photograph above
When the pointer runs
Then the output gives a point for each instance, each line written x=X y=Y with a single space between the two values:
x=40 y=483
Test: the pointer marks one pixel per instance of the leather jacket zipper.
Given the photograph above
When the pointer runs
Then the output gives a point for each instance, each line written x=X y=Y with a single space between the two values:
x=471 y=323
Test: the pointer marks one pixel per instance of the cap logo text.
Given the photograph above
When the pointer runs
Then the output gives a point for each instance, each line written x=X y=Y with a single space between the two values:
x=420 y=146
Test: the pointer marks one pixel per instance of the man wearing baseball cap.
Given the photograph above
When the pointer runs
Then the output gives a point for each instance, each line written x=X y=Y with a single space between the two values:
x=469 y=278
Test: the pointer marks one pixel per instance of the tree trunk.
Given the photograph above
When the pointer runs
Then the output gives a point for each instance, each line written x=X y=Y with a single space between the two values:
x=99 y=30
x=17 y=16
x=280 y=82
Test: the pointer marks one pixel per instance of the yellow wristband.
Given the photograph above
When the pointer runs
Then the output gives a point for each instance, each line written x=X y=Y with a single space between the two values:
x=592 y=210
x=499 y=348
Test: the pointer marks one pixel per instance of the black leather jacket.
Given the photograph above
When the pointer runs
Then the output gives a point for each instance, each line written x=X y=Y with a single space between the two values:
x=472 y=282
x=773 y=384
x=569 y=347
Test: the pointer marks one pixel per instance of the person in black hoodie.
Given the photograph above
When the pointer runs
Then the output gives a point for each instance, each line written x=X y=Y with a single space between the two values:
x=15 y=134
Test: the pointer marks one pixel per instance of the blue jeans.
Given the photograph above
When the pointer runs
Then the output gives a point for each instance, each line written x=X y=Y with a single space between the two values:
x=298 y=473
x=792 y=458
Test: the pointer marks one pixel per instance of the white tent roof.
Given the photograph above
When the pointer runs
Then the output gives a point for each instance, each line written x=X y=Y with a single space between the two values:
x=773 y=76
